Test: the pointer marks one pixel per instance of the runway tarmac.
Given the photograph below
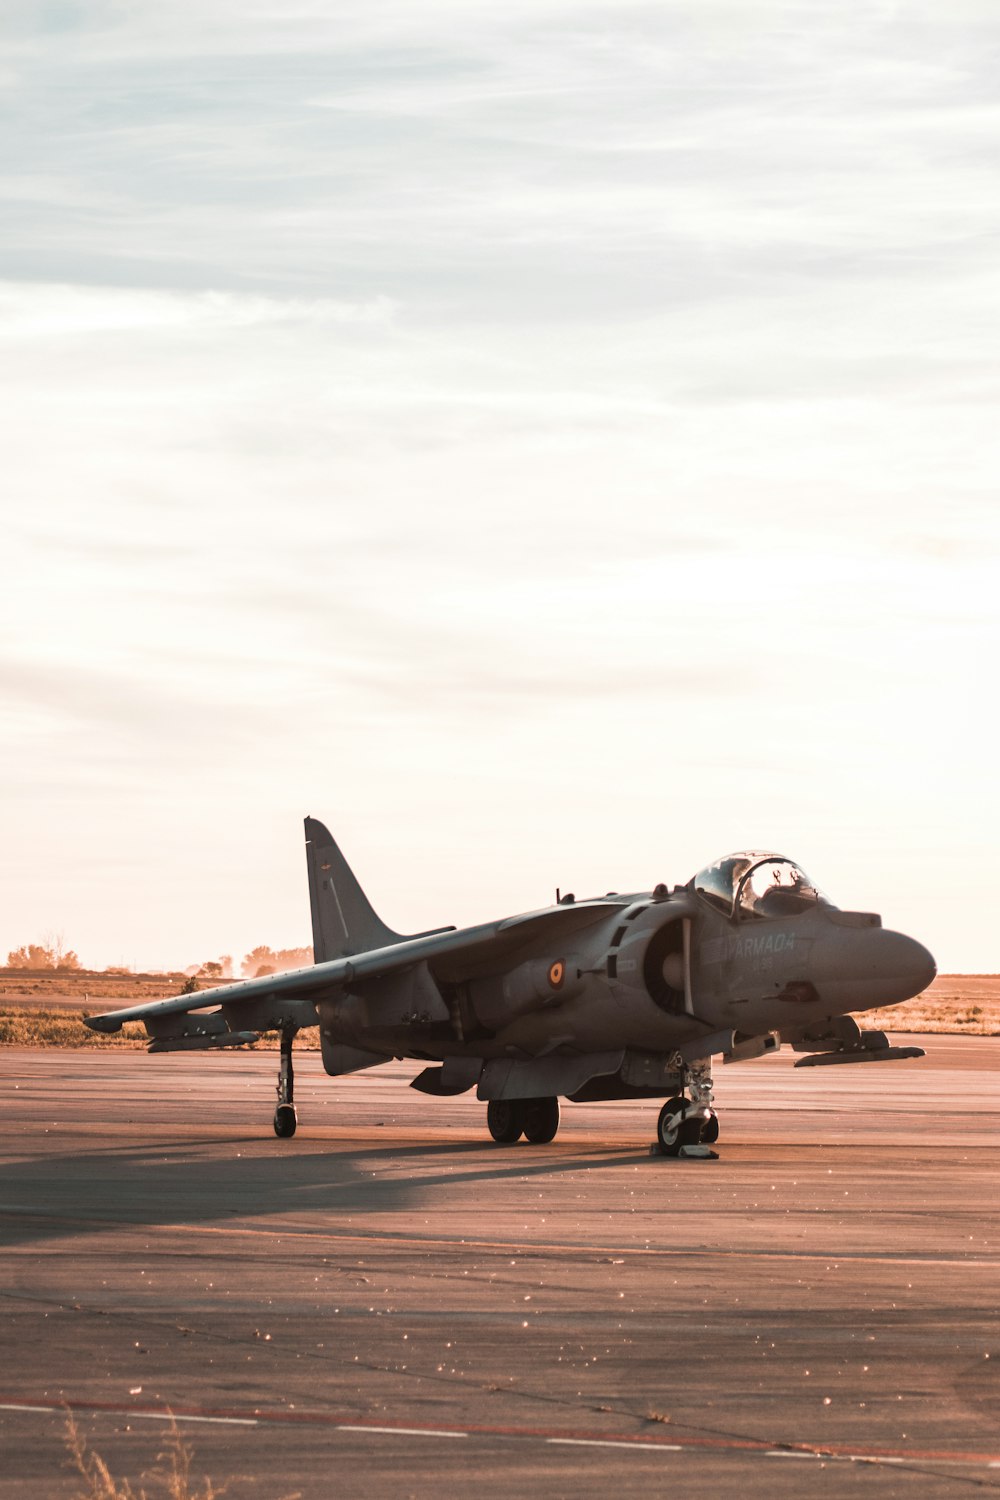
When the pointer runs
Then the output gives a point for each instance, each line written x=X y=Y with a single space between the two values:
x=391 y=1305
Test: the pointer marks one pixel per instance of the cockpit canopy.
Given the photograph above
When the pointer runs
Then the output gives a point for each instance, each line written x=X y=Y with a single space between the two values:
x=757 y=884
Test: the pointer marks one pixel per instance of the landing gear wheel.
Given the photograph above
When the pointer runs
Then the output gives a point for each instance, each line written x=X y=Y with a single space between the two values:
x=710 y=1130
x=669 y=1135
x=541 y=1120
x=284 y=1120
x=505 y=1120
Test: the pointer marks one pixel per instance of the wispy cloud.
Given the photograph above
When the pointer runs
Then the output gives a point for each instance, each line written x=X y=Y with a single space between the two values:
x=444 y=409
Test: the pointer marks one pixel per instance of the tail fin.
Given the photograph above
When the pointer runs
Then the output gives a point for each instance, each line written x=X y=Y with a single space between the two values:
x=343 y=921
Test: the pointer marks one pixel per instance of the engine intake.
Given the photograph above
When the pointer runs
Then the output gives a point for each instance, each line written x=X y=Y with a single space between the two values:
x=663 y=967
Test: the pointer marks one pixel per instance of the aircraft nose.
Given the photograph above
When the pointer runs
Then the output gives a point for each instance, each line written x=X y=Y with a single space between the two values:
x=906 y=964
x=870 y=968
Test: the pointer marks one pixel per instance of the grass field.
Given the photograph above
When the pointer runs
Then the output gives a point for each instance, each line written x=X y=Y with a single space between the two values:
x=46 y=1010
x=24 y=1027
x=40 y=1009
x=962 y=1004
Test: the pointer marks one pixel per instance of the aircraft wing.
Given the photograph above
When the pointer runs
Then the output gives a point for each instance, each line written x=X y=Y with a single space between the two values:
x=451 y=954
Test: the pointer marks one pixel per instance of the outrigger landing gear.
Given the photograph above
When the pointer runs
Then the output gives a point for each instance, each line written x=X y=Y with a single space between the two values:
x=689 y=1127
x=285 y=1119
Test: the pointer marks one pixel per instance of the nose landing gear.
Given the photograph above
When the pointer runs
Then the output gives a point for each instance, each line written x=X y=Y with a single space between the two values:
x=689 y=1127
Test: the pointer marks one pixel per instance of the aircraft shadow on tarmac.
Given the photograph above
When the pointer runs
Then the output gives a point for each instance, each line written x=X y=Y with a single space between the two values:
x=60 y=1196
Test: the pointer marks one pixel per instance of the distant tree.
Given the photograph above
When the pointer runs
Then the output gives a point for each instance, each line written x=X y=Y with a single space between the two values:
x=211 y=970
x=256 y=959
x=190 y=985
x=62 y=957
x=264 y=960
x=31 y=956
x=294 y=958
x=49 y=954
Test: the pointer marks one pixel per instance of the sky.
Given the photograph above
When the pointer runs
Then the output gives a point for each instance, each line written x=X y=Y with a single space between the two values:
x=551 y=443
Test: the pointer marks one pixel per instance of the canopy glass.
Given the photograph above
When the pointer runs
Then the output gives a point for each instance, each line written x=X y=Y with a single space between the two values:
x=757 y=884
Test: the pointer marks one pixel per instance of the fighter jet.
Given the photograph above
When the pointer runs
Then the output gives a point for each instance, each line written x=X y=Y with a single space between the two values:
x=615 y=997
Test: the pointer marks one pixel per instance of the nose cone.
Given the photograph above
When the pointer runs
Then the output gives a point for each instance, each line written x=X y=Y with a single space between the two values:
x=904 y=965
x=862 y=969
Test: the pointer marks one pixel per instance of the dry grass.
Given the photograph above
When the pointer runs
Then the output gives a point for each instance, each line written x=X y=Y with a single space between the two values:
x=173 y=1480
x=65 y=1028
x=39 y=1009
x=78 y=987
x=172 y=1477
x=958 y=1004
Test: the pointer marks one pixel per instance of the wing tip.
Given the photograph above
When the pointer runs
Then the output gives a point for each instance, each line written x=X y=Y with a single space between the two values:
x=107 y=1024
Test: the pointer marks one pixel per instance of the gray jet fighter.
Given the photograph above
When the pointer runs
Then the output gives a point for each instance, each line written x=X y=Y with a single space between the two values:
x=616 y=997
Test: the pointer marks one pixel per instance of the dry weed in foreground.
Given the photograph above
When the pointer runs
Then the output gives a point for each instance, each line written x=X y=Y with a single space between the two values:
x=173 y=1479
x=48 y=1028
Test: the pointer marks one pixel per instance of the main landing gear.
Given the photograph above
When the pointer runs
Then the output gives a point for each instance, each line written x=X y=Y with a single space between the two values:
x=689 y=1127
x=285 y=1119
x=536 y=1119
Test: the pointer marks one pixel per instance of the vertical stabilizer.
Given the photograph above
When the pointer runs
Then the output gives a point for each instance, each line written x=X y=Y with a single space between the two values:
x=343 y=921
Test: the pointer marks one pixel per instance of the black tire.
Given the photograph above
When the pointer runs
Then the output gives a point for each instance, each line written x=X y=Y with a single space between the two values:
x=285 y=1121
x=710 y=1130
x=505 y=1120
x=541 y=1120
x=671 y=1140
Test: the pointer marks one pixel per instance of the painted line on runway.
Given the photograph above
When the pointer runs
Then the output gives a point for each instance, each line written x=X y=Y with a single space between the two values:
x=144 y=1416
x=637 y=1444
x=168 y=1416
x=445 y=1432
x=632 y=1443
